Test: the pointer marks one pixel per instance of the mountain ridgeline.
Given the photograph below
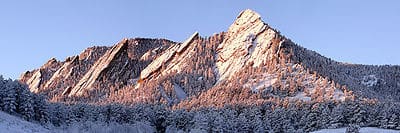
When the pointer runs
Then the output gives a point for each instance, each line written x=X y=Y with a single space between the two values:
x=247 y=79
x=250 y=64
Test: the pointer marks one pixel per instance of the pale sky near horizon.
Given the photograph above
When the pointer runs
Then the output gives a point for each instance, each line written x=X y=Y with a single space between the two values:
x=32 y=32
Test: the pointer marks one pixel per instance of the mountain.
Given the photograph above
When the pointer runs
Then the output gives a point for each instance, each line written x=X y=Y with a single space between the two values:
x=250 y=78
x=250 y=63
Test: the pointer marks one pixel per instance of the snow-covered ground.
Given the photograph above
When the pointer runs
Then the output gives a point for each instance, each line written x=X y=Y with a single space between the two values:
x=13 y=124
x=370 y=80
x=362 y=130
x=266 y=81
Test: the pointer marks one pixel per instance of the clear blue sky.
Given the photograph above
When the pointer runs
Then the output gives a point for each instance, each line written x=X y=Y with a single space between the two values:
x=33 y=31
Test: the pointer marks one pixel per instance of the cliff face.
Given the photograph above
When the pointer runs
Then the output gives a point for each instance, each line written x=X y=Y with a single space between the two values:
x=250 y=63
x=81 y=74
x=249 y=41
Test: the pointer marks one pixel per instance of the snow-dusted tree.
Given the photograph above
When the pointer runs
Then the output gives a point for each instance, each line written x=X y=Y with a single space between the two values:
x=160 y=118
x=393 y=121
x=312 y=121
x=2 y=92
x=24 y=101
x=256 y=120
x=358 y=114
x=243 y=123
x=353 y=129
x=40 y=108
x=10 y=97
x=337 y=117
x=59 y=115
x=179 y=119
x=219 y=122
x=200 y=122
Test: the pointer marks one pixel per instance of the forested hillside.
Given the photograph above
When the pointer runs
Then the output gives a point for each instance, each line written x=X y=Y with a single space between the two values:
x=247 y=79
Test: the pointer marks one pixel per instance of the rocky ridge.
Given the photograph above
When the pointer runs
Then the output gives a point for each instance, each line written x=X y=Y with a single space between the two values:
x=250 y=60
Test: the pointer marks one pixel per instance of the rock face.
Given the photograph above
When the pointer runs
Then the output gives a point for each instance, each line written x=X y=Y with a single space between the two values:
x=80 y=74
x=36 y=78
x=248 y=41
x=250 y=63
x=167 y=56
x=34 y=81
x=93 y=74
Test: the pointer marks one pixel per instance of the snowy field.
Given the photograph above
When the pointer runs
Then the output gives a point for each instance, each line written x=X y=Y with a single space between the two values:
x=362 y=130
x=13 y=124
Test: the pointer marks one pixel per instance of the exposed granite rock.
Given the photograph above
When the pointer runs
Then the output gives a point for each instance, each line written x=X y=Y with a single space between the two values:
x=248 y=40
x=94 y=72
x=34 y=81
x=167 y=56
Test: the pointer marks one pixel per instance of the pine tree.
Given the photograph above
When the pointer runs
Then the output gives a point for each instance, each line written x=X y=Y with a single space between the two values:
x=40 y=108
x=353 y=129
x=2 y=92
x=24 y=101
x=200 y=122
x=10 y=104
x=393 y=121
x=244 y=123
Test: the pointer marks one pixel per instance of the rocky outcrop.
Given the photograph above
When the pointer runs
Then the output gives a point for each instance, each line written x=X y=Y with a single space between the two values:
x=96 y=68
x=167 y=56
x=34 y=81
x=92 y=75
x=250 y=59
x=249 y=41
x=64 y=72
x=36 y=78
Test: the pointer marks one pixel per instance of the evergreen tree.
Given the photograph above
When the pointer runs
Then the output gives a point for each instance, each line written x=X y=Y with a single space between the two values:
x=24 y=101
x=10 y=104
x=200 y=122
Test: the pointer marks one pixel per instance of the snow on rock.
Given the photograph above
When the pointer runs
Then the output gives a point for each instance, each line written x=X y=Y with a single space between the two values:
x=266 y=82
x=248 y=39
x=158 y=62
x=64 y=72
x=34 y=81
x=369 y=80
x=301 y=96
x=146 y=55
x=101 y=64
x=166 y=57
x=12 y=124
x=187 y=42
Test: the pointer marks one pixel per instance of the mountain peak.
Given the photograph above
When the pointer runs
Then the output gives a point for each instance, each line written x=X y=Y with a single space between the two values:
x=246 y=18
x=247 y=39
x=247 y=13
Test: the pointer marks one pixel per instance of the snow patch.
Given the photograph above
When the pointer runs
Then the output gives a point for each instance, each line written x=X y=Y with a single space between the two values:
x=302 y=96
x=362 y=130
x=369 y=80
x=34 y=81
x=180 y=93
x=262 y=84
x=13 y=124
x=166 y=57
x=248 y=39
